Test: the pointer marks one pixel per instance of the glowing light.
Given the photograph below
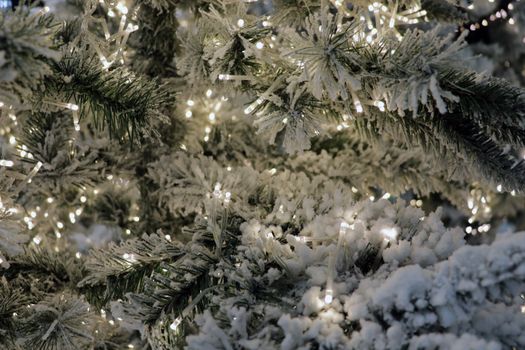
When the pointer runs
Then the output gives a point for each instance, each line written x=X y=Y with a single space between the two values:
x=83 y=199
x=6 y=163
x=217 y=190
x=175 y=323
x=484 y=228
x=76 y=120
x=392 y=22
x=209 y=93
x=34 y=171
x=37 y=239
x=122 y=8
x=380 y=105
x=358 y=106
x=240 y=23
x=328 y=298
x=131 y=28
x=343 y=227
x=129 y=257
x=390 y=233
x=71 y=106
x=259 y=45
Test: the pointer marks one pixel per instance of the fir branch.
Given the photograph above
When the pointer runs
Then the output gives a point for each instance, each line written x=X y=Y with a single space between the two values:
x=13 y=301
x=493 y=104
x=445 y=11
x=56 y=271
x=56 y=323
x=27 y=50
x=116 y=270
x=117 y=99
x=49 y=138
x=155 y=41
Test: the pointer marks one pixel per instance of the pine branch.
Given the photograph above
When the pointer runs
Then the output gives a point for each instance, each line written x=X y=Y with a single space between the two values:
x=27 y=50
x=116 y=270
x=67 y=161
x=56 y=323
x=156 y=41
x=118 y=100
x=56 y=271
x=445 y=11
x=13 y=302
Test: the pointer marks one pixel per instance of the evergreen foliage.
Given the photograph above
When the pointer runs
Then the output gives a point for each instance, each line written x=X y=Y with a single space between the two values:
x=286 y=174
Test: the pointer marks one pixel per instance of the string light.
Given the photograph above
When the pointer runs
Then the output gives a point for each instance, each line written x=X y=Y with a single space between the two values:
x=390 y=233
x=37 y=239
x=34 y=171
x=175 y=324
x=358 y=106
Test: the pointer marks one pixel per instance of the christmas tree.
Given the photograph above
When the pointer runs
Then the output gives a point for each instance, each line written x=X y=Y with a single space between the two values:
x=262 y=174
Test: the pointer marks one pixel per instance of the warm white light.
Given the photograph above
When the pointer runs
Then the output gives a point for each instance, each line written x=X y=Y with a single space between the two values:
x=122 y=8
x=358 y=106
x=37 y=239
x=175 y=323
x=328 y=298
x=71 y=106
x=390 y=233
